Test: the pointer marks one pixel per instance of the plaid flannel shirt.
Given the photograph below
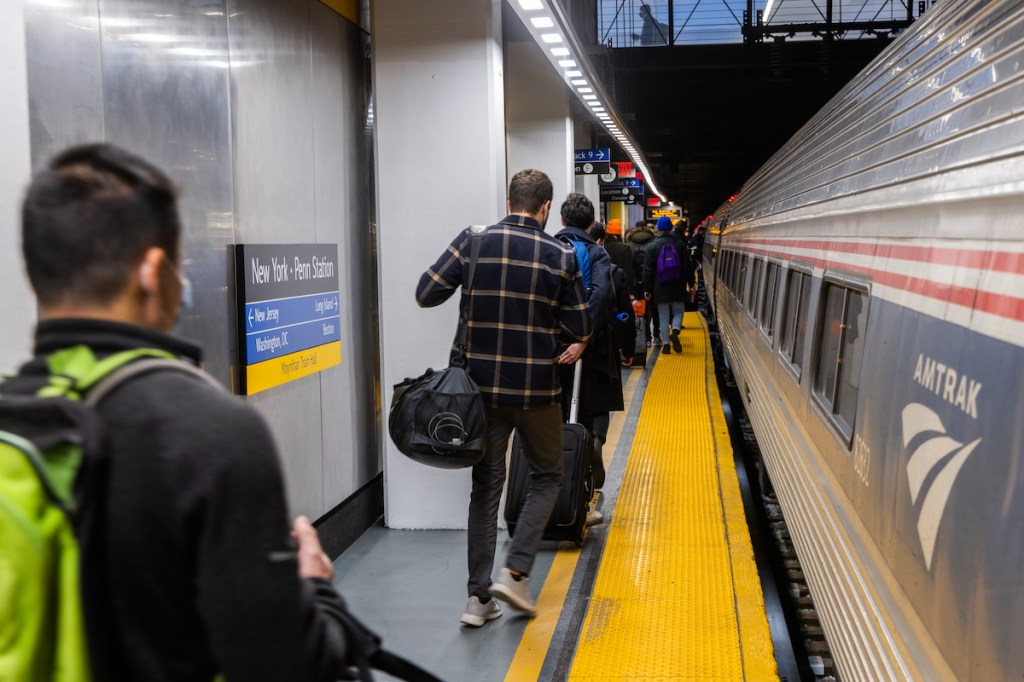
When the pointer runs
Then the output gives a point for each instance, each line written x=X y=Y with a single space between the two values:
x=526 y=302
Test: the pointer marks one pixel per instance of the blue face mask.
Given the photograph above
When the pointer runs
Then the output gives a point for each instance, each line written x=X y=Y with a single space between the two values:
x=186 y=295
x=186 y=302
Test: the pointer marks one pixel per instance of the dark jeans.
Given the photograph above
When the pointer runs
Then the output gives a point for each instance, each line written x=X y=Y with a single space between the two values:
x=541 y=432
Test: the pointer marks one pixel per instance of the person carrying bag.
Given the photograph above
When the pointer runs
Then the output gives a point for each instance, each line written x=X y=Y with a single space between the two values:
x=438 y=418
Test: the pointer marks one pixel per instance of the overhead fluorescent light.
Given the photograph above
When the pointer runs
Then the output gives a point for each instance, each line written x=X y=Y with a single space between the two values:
x=551 y=29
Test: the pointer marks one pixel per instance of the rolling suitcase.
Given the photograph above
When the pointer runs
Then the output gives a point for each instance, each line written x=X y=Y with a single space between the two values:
x=568 y=519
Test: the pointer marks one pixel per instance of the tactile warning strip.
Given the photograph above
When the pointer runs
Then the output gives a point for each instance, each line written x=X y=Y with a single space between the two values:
x=677 y=595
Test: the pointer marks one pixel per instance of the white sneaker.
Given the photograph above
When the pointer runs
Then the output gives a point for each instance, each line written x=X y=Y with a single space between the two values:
x=477 y=613
x=515 y=592
x=594 y=517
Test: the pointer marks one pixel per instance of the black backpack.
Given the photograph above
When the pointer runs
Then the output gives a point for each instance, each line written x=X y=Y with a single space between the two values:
x=621 y=317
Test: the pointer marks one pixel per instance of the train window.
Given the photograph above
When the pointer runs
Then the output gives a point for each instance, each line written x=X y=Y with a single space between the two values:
x=730 y=265
x=794 y=321
x=841 y=348
x=771 y=292
x=800 y=333
x=740 y=275
x=755 y=286
x=828 y=347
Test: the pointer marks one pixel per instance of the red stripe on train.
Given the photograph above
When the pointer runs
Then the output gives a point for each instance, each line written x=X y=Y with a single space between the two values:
x=998 y=261
x=1001 y=305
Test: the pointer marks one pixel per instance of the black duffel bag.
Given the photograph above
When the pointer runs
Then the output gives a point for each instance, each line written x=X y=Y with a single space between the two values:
x=438 y=418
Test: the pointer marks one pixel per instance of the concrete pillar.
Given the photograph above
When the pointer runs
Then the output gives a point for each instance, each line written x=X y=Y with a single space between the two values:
x=439 y=118
x=588 y=184
x=538 y=122
x=17 y=306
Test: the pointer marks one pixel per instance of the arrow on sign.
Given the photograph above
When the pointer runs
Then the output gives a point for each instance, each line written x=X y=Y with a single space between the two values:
x=250 y=316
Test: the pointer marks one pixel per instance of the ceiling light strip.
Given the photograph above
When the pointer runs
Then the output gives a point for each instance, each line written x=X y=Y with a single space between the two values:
x=544 y=20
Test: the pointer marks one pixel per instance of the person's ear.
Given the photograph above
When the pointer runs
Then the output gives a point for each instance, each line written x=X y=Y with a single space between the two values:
x=159 y=306
x=149 y=271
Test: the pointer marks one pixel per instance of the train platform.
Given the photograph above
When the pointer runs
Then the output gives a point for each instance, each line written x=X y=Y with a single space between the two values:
x=665 y=589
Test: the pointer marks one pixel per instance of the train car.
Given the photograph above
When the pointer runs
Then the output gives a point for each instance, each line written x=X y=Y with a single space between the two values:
x=868 y=283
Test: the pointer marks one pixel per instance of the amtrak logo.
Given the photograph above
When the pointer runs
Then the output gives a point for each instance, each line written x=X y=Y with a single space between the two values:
x=939 y=453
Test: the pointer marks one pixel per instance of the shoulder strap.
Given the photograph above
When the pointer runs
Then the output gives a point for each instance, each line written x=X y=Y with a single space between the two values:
x=476 y=233
x=139 y=367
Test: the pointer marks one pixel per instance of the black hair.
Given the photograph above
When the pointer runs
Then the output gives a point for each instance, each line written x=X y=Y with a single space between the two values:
x=87 y=219
x=597 y=232
x=529 y=190
x=577 y=211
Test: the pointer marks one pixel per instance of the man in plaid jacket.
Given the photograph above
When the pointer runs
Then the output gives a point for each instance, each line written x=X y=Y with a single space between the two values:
x=526 y=304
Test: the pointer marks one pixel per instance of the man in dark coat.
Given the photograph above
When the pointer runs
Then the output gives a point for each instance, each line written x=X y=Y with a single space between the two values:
x=620 y=252
x=665 y=291
x=600 y=382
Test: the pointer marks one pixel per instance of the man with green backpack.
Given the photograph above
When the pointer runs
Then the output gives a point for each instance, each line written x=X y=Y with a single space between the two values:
x=143 y=528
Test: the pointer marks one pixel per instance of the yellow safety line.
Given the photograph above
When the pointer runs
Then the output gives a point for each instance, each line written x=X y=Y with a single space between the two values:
x=533 y=647
x=677 y=595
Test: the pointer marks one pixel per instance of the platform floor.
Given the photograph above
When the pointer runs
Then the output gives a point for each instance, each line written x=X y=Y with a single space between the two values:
x=665 y=589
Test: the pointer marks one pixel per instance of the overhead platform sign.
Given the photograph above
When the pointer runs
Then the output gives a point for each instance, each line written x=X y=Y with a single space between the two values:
x=593 y=161
x=289 y=312
x=673 y=212
x=627 y=190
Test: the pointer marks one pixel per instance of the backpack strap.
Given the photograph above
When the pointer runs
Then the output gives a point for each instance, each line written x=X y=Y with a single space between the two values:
x=476 y=234
x=127 y=372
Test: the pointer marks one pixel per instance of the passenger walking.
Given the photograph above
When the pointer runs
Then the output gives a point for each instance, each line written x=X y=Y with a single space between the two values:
x=526 y=303
x=640 y=237
x=666 y=264
x=654 y=32
x=620 y=252
x=600 y=378
x=192 y=571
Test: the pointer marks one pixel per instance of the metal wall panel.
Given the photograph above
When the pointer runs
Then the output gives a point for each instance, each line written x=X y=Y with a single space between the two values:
x=165 y=93
x=340 y=109
x=65 y=79
x=272 y=124
x=16 y=305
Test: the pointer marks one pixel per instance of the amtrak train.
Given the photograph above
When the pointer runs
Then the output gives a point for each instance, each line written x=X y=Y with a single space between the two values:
x=868 y=283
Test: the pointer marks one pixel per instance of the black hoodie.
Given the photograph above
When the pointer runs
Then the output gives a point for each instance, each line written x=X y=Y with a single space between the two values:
x=198 y=573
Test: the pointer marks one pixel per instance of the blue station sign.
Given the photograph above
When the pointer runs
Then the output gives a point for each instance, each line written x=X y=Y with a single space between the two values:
x=626 y=190
x=592 y=161
x=289 y=312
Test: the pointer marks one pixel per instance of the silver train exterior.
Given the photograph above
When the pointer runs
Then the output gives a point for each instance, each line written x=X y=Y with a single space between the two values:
x=869 y=287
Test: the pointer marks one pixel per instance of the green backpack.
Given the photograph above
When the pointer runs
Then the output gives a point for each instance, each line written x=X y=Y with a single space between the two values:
x=48 y=446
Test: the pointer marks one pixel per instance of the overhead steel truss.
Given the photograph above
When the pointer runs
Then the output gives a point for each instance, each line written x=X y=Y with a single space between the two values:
x=678 y=22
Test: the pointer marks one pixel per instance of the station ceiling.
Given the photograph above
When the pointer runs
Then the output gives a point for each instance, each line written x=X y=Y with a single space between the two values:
x=708 y=116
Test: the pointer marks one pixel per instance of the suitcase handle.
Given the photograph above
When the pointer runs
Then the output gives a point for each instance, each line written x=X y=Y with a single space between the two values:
x=574 y=406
